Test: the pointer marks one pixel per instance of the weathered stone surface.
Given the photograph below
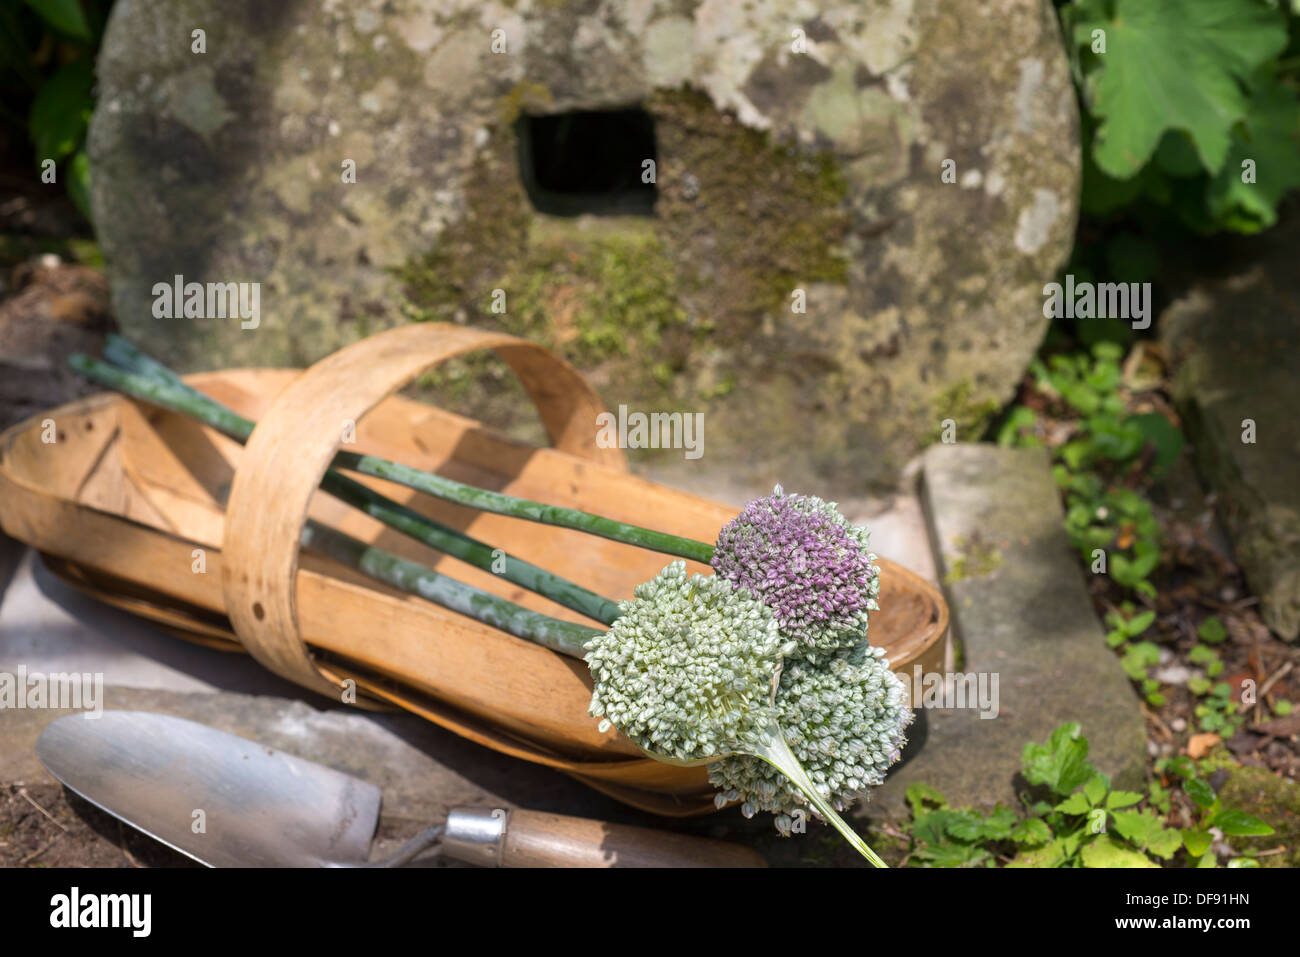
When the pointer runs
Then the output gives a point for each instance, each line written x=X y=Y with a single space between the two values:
x=1020 y=610
x=777 y=171
x=1233 y=344
x=1276 y=802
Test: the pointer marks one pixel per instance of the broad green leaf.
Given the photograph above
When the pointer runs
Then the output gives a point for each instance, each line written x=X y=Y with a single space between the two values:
x=964 y=826
x=61 y=111
x=1031 y=831
x=1177 y=64
x=1148 y=831
x=1197 y=842
x=1163 y=436
x=918 y=795
x=1208 y=860
x=1118 y=799
x=952 y=855
x=64 y=15
x=1105 y=851
x=1049 y=855
x=1095 y=789
x=1139 y=623
x=1269 y=140
x=1199 y=792
x=1076 y=803
x=1237 y=823
x=999 y=824
x=1062 y=765
x=1243 y=862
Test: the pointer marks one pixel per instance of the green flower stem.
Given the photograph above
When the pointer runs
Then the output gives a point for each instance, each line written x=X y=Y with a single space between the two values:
x=563 y=636
x=776 y=752
x=120 y=351
x=155 y=383
x=501 y=504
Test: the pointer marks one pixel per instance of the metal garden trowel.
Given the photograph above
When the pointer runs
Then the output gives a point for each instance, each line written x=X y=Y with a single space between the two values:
x=229 y=802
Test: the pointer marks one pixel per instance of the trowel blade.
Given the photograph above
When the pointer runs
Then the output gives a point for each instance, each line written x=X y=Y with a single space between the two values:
x=222 y=800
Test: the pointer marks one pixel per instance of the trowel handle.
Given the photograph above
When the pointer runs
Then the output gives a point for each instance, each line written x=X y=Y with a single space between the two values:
x=500 y=838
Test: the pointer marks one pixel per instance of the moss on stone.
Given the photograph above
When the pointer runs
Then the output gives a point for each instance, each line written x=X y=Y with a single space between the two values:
x=970 y=417
x=1273 y=800
x=974 y=558
x=630 y=299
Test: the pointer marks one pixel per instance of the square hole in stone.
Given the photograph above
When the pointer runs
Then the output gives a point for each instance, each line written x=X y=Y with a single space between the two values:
x=588 y=162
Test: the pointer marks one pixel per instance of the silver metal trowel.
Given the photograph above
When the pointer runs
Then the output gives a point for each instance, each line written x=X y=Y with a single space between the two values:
x=229 y=802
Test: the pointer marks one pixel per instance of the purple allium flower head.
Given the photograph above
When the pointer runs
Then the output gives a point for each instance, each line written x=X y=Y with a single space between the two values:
x=807 y=563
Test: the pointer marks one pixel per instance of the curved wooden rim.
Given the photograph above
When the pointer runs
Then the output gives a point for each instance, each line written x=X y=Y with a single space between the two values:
x=294 y=442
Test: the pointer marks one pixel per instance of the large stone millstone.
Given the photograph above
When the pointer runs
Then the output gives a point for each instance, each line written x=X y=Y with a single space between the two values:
x=777 y=171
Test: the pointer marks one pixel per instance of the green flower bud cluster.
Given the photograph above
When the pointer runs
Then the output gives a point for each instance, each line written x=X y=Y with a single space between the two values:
x=688 y=671
x=844 y=721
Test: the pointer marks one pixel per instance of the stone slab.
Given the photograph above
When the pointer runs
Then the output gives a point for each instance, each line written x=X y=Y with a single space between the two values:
x=1020 y=610
x=1232 y=344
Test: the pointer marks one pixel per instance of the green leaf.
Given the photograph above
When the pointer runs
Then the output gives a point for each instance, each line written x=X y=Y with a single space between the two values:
x=1197 y=842
x=1031 y=831
x=1270 y=139
x=952 y=855
x=1118 y=799
x=78 y=184
x=1178 y=64
x=1062 y=765
x=1208 y=860
x=1243 y=862
x=61 y=111
x=1148 y=831
x=998 y=825
x=1201 y=655
x=1139 y=623
x=1236 y=823
x=1163 y=436
x=1076 y=803
x=1049 y=855
x=1095 y=789
x=1115 y=638
x=1105 y=851
x=1020 y=418
x=1198 y=686
x=63 y=15
x=1200 y=792
x=1212 y=631
x=918 y=795
x=964 y=826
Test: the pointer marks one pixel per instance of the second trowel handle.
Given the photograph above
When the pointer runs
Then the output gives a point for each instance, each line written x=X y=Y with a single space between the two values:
x=499 y=838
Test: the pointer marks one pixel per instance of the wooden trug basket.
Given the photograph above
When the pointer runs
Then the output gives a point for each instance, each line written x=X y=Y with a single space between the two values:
x=124 y=497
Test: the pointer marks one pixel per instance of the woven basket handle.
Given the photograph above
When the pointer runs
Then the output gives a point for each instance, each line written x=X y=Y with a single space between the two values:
x=294 y=442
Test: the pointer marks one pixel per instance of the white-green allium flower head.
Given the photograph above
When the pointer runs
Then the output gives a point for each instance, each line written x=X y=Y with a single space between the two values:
x=689 y=670
x=844 y=722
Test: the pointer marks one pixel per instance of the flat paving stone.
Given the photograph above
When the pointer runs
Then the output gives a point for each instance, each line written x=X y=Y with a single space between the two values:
x=1020 y=611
